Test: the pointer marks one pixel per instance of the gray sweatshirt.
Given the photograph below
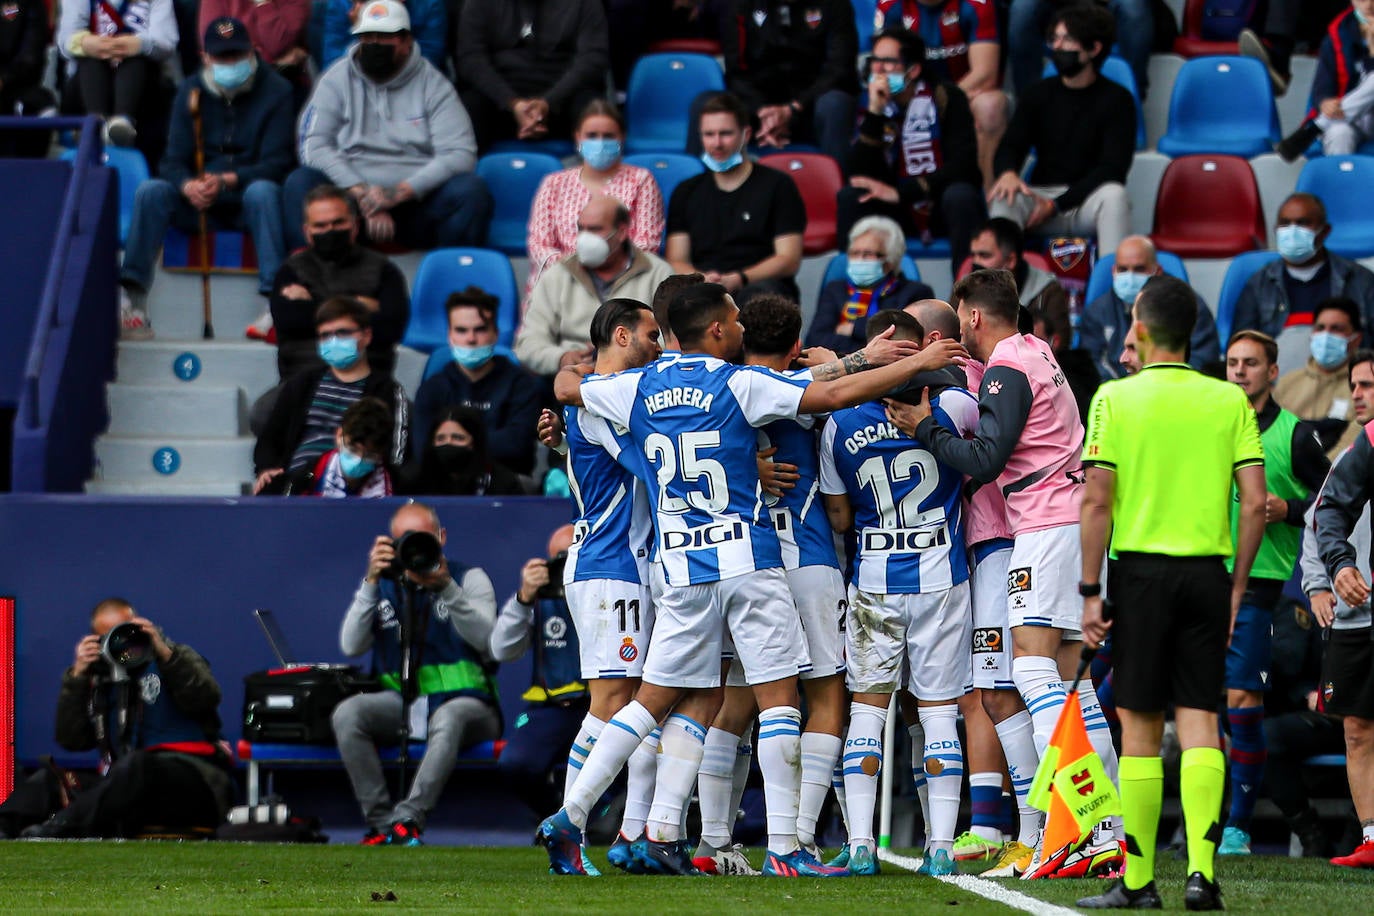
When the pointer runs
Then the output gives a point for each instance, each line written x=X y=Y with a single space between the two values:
x=411 y=128
x=1314 y=574
x=470 y=606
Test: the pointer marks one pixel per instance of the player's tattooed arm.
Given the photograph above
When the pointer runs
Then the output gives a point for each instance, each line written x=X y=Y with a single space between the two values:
x=838 y=368
x=881 y=351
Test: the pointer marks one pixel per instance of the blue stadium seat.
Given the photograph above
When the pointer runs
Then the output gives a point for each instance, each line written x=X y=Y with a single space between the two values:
x=836 y=268
x=1243 y=266
x=132 y=169
x=938 y=249
x=439 y=360
x=1118 y=71
x=558 y=148
x=1345 y=185
x=669 y=169
x=865 y=19
x=1221 y=105
x=660 y=94
x=512 y=179
x=447 y=270
x=1100 y=281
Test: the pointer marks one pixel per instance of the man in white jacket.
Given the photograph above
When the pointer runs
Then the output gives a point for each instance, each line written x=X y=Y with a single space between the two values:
x=386 y=125
x=556 y=331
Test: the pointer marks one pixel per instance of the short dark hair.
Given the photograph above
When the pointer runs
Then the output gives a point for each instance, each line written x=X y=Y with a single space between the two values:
x=336 y=307
x=612 y=314
x=476 y=298
x=1269 y=345
x=1168 y=308
x=772 y=324
x=906 y=324
x=992 y=291
x=667 y=291
x=913 y=46
x=1362 y=355
x=114 y=601
x=327 y=192
x=1310 y=198
x=1089 y=24
x=694 y=309
x=725 y=103
x=1010 y=239
x=1344 y=304
x=1051 y=307
x=470 y=418
x=368 y=423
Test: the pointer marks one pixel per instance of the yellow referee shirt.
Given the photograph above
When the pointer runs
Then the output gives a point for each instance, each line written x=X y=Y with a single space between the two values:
x=1174 y=438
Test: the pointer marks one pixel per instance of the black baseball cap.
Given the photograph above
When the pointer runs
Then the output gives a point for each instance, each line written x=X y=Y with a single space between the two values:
x=226 y=35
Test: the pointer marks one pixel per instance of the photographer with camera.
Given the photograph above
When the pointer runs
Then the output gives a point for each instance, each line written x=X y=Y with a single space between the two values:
x=537 y=617
x=150 y=706
x=436 y=662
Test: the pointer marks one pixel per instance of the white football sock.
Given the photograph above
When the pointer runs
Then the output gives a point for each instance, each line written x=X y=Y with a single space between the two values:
x=779 y=750
x=679 y=759
x=918 y=772
x=739 y=779
x=639 y=786
x=944 y=764
x=618 y=741
x=1037 y=678
x=819 y=752
x=863 y=762
x=715 y=782
x=581 y=747
x=841 y=797
x=1018 y=746
x=987 y=781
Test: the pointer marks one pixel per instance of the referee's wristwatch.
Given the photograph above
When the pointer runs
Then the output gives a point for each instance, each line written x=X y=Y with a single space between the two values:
x=1090 y=589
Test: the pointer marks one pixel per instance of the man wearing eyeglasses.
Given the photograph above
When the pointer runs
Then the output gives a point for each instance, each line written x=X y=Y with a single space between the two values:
x=310 y=405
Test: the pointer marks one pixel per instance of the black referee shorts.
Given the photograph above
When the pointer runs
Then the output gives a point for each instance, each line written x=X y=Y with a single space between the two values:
x=1348 y=674
x=1172 y=618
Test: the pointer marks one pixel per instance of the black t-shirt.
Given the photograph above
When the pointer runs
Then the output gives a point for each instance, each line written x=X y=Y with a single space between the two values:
x=735 y=230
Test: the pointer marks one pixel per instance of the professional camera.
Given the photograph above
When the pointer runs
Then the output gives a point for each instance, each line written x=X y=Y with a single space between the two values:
x=416 y=551
x=554 y=587
x=127 y=646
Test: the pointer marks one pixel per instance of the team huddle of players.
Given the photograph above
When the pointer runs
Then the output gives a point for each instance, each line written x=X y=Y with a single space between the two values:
x=714 y=480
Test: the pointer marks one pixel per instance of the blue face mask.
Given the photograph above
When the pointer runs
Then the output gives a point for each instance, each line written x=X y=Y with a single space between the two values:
x=339 y=352
x=354 y=466
x=599 y=153
x=1128 y=284
x=896 y=82
x=232 y=76
x=1361 y=18
x=737 y=158
x=1296 y=244
x=865 y=274
x=1329 y=349
x=473 y=357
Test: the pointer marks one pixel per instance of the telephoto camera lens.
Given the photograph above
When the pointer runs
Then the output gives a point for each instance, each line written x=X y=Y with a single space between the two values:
x=417 y=551
x=128 y=646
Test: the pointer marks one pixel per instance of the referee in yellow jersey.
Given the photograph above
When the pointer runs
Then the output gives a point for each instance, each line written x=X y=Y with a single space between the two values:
x=1163 y=448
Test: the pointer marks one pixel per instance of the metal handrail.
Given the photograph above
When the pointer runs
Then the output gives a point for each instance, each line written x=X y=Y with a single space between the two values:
x=90 y=151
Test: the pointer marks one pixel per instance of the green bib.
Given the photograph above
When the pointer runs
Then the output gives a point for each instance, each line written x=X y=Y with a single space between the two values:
x=1279 y=549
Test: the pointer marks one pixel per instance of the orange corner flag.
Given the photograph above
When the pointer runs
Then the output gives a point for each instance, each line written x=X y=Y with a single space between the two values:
x=1071 y=785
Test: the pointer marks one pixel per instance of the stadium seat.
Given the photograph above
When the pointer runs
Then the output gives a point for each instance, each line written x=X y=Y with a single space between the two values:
x=132 y=170
x=1345 y=185
x=708 y=46
x=836 y=268
x=512 y=179
x=1118 y=71
x=865 y=20
x=1221 y=105
x=1243 y=266
x=557 y=148
x=440 y=359
x=446 y=270
x=819 y=179
x=669 y=169
x=1193 y=39
x=660 y=94
x=937 y=249
x=1101 y=279
x=1208 y=207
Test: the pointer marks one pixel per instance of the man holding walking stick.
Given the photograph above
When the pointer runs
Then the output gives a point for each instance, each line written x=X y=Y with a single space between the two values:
x=1162 y=451
x=242 y=128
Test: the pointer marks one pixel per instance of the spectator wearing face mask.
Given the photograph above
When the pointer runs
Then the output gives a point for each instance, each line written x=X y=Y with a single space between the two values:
x=455 y=461
x=606 y=264
x=1319 y=391
x=357 y=465
x=1281 y=297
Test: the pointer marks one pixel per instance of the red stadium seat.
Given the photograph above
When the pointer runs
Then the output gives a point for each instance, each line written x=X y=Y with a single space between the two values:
x=1208 y=207
x=708 y=46
x=1033 y=258
x=1191 y=43
x=819 y=180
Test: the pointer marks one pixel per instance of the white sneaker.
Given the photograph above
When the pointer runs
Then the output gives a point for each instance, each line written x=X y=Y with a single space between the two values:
x=134 y=323
x=730 y=861
x=261 y=328
x=120 y=131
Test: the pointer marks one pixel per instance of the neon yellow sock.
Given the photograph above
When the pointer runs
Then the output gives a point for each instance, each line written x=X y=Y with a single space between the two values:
x=1142 y=795
x=1202 y=782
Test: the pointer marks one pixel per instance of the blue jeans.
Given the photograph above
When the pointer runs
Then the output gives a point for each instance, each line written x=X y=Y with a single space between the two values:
x=158 y=204
x=1028 y=20
x=454 y=214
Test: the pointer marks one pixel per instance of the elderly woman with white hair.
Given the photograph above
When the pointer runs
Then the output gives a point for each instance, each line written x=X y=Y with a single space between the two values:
x=873 y=281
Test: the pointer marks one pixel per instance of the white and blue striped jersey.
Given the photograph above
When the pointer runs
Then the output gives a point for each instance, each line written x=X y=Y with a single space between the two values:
x=693 y=421
x=798 y=515
x=908 y=510
x=613 y=530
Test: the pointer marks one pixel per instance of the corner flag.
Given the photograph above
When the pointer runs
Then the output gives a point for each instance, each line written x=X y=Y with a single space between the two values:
x=1071 y=785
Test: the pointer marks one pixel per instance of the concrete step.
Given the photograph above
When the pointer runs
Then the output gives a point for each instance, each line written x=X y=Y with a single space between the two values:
x=174 y=459
x=174 y=305
x=185 y=410
x=163 y=488
x=246 y=364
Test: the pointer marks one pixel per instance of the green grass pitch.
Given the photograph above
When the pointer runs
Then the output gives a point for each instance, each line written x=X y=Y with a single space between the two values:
x=134 y=879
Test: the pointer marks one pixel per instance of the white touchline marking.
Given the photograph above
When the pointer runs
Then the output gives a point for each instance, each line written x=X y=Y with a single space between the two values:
x=989 y=890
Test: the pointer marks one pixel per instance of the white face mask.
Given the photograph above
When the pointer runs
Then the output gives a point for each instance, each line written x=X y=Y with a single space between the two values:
x=592 y=249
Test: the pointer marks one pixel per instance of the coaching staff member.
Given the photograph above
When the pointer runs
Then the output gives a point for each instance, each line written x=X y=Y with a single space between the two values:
x=1159 y=479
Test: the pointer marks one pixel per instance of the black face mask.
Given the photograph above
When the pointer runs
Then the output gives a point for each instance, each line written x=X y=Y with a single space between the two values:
x=1067 y=63
x=332 y=245
x=377 y=61
x=460 y=460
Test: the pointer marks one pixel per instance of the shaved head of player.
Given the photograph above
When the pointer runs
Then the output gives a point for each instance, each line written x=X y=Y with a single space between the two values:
x=937 y=317
x=989 y=309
